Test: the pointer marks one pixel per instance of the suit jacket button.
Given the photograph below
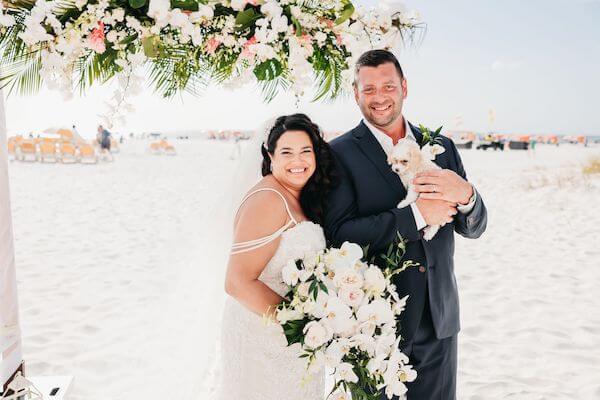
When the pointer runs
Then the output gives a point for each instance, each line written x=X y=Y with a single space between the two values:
x=421 y=269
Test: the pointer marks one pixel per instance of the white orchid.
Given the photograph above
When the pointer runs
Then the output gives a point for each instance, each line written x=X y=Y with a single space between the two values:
x=344 y=372
x=338 y=316
x=378 y=312
x=346 y=256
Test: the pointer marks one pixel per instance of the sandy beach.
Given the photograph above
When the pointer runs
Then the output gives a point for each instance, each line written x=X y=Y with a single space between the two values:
x=114 y=280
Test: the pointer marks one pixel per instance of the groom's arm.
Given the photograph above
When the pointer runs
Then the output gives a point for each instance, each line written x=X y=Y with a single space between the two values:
x=473 y=223
x=343 y=223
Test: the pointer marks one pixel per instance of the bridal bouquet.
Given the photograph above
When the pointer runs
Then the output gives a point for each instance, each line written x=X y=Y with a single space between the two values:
x=342 y=310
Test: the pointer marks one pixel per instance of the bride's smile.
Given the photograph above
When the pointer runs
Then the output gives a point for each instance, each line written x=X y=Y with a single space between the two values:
x=293 y=161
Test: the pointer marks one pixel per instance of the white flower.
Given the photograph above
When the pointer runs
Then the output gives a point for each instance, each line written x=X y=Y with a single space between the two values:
x=400 y=305
x=280 y=23
x=118 y=14
x=238 y=5
x=336 y=351
x=339 y=395
x=6 y=20
x=320 y=37
x=271 y=9
x=264 y=52
x=80 y=3
x=375 y=282
x=351 y=296
x=204 y=12
x=407 y=373
x=394 y=387
x=315 y=335
x=338 y=316
x=347 y=278
x=317 y=363
x=319 y=308
x=159 y=11
x=376 y=364
x=378 y=312
x=178 y=19
x=346 y=256
x=290 y=273
x=303 y=289
x=344 y=372
x=365 y=343
x=112 y=36
x=288 y=314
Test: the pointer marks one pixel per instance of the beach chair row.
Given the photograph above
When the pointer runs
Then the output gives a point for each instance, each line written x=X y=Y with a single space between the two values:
x=44 y=150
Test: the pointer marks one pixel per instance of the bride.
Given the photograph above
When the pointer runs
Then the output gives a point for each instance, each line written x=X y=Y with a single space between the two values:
x=276 y=221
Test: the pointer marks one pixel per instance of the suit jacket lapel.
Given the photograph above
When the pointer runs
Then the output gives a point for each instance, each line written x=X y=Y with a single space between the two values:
x=417 y=132
x=373 y=150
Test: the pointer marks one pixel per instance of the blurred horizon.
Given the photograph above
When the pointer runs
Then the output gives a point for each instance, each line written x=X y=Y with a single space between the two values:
x=532 y=64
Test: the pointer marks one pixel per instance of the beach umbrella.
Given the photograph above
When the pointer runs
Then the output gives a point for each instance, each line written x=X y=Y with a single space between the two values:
x=10 y=340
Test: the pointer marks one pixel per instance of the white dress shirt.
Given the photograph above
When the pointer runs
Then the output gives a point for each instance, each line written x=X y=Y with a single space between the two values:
x=387 y=144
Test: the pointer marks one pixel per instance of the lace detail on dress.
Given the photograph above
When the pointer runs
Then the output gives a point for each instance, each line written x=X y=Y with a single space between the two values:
x=256 y=363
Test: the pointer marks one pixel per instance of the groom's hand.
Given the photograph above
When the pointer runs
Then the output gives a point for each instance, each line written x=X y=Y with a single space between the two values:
x=436 y=212
x=443 y=184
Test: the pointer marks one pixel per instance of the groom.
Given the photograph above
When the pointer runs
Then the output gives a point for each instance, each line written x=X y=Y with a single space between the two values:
x=362 y=209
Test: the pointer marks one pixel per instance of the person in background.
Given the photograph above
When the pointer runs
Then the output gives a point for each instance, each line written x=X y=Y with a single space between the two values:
x=103 y=137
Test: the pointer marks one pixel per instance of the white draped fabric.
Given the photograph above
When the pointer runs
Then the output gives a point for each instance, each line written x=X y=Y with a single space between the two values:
x=10 y=338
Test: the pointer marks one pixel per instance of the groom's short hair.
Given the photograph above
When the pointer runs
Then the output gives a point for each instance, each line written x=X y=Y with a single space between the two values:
x=374 y=58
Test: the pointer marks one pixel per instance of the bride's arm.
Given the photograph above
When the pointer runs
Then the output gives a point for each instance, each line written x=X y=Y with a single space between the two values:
x=261 y=215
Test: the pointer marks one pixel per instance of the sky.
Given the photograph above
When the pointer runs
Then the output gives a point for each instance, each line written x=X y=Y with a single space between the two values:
x=535 y=63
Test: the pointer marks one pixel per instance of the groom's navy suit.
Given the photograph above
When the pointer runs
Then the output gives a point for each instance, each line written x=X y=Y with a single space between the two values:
x=362 y=209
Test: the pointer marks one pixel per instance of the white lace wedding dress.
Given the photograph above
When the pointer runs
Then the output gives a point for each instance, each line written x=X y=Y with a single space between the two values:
x=256 y=363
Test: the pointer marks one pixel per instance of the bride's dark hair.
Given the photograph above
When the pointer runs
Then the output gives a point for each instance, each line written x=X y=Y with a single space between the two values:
x=314 y=193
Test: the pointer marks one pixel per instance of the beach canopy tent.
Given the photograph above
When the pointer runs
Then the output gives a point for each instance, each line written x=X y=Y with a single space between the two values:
x=65 y=134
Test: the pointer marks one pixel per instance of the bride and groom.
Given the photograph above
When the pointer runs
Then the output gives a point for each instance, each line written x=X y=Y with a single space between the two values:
x=313 y=193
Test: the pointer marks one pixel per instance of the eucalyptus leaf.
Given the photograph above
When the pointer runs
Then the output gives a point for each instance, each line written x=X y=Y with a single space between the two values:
x=137 y=3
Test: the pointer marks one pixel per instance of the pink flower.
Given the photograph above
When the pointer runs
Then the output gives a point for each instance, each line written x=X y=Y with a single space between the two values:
x=96 y=39
x=211 y=45
x=248 y=53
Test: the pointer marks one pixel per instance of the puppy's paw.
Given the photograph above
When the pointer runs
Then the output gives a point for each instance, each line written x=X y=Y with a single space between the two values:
x=430 y=231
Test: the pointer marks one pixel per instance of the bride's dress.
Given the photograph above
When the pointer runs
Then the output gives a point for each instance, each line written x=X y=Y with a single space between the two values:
x=256 y=362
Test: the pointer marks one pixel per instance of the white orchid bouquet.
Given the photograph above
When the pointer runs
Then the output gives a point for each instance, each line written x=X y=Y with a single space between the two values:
x=343 y=312
x=186 y=44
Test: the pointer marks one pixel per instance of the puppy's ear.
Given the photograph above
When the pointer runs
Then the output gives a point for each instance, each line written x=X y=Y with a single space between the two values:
x=437 y=149
x=427 y=152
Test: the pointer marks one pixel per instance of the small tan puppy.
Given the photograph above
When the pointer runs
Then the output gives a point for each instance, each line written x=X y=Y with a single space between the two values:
x=407 y=160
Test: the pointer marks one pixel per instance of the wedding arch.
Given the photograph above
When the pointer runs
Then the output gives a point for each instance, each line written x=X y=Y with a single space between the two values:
x=299 y=46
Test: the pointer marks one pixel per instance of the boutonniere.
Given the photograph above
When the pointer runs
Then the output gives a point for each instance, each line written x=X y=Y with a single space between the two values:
x=431 y=145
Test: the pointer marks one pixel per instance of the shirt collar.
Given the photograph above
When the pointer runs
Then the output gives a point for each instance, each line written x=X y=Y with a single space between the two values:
x=384 y=140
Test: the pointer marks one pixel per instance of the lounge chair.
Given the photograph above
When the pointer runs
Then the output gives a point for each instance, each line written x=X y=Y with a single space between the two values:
x=27 y=151
x=68 y=153
x=87 y=154
x=48 y=151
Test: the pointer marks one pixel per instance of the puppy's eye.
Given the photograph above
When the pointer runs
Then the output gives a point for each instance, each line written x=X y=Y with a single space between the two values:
x=403 y=162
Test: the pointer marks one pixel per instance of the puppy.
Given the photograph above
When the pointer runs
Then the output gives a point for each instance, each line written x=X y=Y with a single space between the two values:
x=407 y=160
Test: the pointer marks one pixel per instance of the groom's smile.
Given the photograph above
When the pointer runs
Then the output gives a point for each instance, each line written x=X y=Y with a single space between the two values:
x=379 y=92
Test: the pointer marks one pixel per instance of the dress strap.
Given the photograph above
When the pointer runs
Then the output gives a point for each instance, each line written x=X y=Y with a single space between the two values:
x=256 y=243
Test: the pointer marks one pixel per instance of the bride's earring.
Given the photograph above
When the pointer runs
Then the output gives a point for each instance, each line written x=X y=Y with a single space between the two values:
x=271 y=167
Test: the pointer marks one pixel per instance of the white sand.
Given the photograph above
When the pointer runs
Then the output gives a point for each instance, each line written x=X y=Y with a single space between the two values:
x=111 y=270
